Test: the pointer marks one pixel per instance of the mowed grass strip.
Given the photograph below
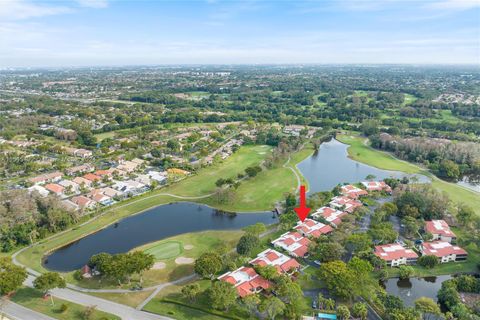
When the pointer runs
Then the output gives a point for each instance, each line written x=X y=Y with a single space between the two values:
x=166 y=250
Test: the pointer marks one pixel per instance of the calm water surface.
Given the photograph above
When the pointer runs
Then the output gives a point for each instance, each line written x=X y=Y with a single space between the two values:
x=331 y=166
x=152 y=225
x=410 y=290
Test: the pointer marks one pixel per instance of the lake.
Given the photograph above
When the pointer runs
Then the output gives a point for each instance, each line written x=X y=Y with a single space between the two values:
x=155 y=224
x=410 y=290
x=331 y=166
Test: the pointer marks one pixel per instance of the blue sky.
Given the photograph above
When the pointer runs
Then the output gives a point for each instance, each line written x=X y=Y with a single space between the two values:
x=120 y=32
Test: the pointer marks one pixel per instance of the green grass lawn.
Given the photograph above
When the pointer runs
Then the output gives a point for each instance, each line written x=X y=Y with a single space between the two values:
x=408 y=99
x=361 y=152
x=132 y=299
x=382 y=160
x=33 y=299
x=268 y=187
x=105 y=135
x=204 y=181
x=165 y=250
x=170 y=302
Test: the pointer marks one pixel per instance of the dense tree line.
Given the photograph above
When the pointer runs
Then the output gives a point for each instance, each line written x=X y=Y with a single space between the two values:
x=25 y=217
x=447 y=159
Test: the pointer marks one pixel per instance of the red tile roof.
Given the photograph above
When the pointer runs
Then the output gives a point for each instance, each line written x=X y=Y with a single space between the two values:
x=55 y=188
x=441 y=249
x=439 y=227
x=394 y=251
x=352 y=191
x=92 y=177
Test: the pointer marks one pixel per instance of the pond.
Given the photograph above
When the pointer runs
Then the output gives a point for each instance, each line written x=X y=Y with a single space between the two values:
x=410 y=290
x=331 y=166
x=465 y=182
x=155 y=224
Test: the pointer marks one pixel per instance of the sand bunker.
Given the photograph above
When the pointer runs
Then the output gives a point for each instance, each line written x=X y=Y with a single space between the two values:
x=159 y=266
x=184 y=260
x=188 y=247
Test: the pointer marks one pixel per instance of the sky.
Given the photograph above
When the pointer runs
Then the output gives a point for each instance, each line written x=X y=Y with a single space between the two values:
x=35 y=33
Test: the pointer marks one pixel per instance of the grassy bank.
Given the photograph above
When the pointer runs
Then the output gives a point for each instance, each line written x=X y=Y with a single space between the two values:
x=33 y=299
x=361 y=152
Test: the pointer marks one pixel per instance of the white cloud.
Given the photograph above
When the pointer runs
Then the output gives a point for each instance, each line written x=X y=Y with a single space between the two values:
x=21 y=9
x=93 y=3
x=454 y=4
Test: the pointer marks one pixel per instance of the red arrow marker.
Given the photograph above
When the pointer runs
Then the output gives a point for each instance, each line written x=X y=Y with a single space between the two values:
x=302 y=211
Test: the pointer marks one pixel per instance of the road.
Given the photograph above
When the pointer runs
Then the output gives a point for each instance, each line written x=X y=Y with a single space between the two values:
x=16 y=312
x=120 y=310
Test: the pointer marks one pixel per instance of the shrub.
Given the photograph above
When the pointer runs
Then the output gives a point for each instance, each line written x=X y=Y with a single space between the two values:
x=428 y=261
x=63 y=308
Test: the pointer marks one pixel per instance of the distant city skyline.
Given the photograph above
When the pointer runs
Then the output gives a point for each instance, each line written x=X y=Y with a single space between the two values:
x=109 y=32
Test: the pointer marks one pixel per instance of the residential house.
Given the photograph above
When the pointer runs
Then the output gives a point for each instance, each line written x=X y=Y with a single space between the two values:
x=79 y=169
x=82 y=153
x=444 y=251
x=144 y=179
x=161 y=177
x=69 y=205
x=331 y=215
x=109 y=192
x=83 y=202
x=130 y=166
x=102 y=173
x=294 y=243
x=440 y=230
x=352 y=191
x=82 y=182
x=48 y=177
x=312 y=228
x=283 y=263
x=55 y=188
x=345 y=203
x=395 y=254
x=39 y=189
x=129 y=186
x=69 y=185
x=377 y=186
x=246 y=281
x=92 y=177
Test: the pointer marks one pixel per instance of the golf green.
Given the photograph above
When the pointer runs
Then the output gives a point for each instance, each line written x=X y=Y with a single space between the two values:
x=166 y=250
